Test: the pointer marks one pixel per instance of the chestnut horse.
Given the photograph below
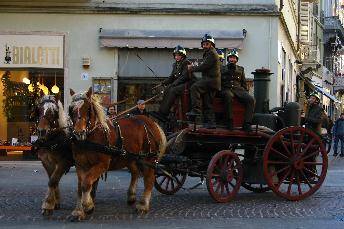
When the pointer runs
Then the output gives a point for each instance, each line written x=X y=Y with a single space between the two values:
x=53 y=147
x=136 y=142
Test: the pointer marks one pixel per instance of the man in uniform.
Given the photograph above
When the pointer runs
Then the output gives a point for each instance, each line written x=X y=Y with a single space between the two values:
x=233 y=83
x=140 y=109
x=208 y=85
x=314 y=114
x=175 y=84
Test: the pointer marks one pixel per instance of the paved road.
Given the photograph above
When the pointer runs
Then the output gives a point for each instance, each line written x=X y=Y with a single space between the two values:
x=23 y=185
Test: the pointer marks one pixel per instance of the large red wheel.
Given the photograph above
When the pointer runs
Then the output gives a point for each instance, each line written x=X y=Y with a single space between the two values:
x=224 y=176
x=295 y=163
x=169 y=185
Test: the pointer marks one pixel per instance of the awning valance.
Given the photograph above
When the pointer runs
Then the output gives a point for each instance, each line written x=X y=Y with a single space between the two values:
x=328 y=95
x=124 y=38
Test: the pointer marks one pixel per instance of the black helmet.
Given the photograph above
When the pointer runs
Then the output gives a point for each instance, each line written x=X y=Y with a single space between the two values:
x=179 y=50
x=208 y=37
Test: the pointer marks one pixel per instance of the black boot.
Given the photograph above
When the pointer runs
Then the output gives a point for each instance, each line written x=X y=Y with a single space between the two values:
x=247 y=127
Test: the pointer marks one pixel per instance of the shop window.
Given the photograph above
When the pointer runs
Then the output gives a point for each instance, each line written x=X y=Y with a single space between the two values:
x=132 y=89
x=104 y=88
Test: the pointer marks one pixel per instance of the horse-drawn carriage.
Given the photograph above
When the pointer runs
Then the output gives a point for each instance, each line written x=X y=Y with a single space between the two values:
x=278 y=154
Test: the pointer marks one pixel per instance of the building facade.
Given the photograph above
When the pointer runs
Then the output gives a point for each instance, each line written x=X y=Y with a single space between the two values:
x=122 y=48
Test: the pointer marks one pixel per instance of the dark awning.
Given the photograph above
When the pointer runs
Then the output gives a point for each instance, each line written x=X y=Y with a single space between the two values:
x=124 y=38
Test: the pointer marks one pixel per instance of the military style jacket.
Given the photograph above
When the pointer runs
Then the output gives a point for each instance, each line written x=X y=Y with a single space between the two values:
x=233 y=77
x=314 y=117
x=180 y=74
x=210 y=68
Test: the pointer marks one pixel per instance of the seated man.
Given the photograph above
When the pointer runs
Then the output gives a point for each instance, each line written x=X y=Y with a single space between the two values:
x=140 y=109
x=176 y=82
x=206 y=88
x=233 y=83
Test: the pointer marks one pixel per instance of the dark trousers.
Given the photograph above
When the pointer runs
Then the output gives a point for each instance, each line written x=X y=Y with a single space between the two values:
x=243 y=97
x=202 y=91
x=170 y=95
x=338 y=138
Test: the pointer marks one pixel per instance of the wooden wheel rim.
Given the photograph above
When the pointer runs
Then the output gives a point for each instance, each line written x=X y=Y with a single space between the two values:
x=168 y=186
x=224 y=168
x=294 y=164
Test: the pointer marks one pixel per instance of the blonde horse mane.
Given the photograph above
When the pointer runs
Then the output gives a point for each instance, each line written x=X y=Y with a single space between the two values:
x=100 y=113
x=63 y=118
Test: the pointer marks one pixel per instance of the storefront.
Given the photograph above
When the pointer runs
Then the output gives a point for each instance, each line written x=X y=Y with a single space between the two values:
x=27 y=59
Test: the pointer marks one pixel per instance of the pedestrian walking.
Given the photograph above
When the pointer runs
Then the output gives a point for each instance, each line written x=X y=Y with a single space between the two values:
x=338 y=135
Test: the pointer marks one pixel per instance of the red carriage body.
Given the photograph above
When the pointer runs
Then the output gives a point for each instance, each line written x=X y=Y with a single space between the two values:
x=290 y=161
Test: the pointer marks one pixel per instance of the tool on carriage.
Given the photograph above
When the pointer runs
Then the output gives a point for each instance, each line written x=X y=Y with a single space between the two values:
x=119 y=102
x=132 y=108
x=149 y=68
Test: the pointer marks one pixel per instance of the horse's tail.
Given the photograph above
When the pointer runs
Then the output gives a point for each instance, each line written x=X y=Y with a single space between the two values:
x=162 y=143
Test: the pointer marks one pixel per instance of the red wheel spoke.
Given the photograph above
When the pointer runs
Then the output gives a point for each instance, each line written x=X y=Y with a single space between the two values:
x=298 y=184
x=310 y=155
x=291 y=180
x=307 y=181
x=284 y=177
x=281 y=170
x=278 y=162
x=222 y=189
x=310 y=171
x=284 y=146
x=312 y=163
x=274 y=150
x=292 y=142
x=218 y=186
x=308 y=145
x=215 y=175
x=227 y=188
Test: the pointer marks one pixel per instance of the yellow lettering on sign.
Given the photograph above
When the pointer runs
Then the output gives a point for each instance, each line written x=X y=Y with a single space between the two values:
x=27 y=55
x=39 y=55
x=21 y=54
x=15 y=52
x=33 y=56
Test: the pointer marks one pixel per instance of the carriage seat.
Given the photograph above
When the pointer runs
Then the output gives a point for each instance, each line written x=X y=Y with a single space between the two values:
x=238 y=111
x=182 y=105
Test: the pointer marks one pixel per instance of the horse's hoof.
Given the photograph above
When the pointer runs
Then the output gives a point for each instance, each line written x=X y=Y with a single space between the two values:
x=74 y=218
x=141 y=209
x=47 y=212
x=89 y=211
x=57 y=207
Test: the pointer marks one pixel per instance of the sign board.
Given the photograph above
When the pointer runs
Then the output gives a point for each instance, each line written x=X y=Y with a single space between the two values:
x=84 y=76
x=31 y=51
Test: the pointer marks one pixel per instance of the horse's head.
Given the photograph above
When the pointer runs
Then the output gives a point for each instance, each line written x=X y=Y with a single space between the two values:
x=82 y=114
x=48 y=115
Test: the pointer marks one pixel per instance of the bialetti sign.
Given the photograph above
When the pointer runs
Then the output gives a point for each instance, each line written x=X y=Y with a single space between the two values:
x=31 y=51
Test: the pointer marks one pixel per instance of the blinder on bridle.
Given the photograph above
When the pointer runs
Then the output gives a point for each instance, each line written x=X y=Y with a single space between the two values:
x=78 y=99
x=53 y=120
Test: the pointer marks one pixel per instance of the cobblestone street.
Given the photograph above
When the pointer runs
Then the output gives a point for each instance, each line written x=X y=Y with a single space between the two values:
x=23 y=186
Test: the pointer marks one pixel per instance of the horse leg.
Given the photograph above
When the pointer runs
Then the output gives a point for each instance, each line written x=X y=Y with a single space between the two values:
x=78 y=213
x=54 y=198
x=86 y=186
x=48 y=204
x=94 y=189
x=148 y=178
x=131 y=194
x=62 y=166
